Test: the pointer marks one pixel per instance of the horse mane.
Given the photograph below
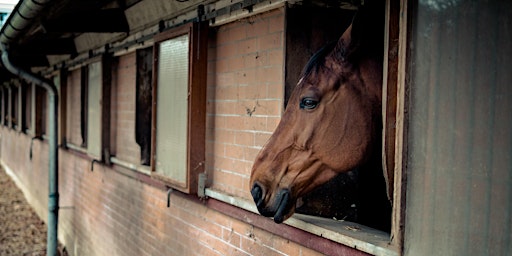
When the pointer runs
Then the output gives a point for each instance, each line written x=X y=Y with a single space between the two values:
x=318 y=59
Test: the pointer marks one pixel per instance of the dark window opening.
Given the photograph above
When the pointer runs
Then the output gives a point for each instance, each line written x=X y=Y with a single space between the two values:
x=44 y=112
x=39 y=124
x=2 y=100
x=14 y=106
x=354 y=196
x=6 y=106
x=83 y=104
x=143 y=104
x=26 y=106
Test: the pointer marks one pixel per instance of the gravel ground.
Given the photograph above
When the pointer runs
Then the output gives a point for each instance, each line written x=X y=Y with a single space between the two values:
x=22 y=232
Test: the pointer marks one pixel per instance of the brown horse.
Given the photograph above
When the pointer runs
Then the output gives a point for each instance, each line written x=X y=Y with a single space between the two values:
x=332 y=125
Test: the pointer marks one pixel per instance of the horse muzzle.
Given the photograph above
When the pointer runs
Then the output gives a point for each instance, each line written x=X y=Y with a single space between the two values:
x=279 y=208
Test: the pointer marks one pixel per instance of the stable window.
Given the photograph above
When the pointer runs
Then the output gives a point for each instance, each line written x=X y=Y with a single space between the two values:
x=43 y=112
x=179 y=109
x=1 y=105
x=93 y=112
x=74 y=106
x=5 y=108
x=84 y=75
x=346 y=196
x=307 y=30
x=84 y=111
x=27 y=108
x=5 y=105
x=143 y=103
x=15 y=106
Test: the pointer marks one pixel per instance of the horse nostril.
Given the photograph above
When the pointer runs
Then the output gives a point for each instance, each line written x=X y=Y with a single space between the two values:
x=257 y=194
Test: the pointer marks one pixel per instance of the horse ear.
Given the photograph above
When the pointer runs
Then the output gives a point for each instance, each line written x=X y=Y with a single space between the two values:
x=349 y=40
x=365 y=32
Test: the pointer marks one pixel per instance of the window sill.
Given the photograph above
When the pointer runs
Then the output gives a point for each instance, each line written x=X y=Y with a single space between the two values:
x=76 y=148
x=350 y=234
x=134 y=167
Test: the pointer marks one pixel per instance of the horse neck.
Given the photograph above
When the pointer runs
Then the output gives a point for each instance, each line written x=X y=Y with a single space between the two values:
x=370 y=69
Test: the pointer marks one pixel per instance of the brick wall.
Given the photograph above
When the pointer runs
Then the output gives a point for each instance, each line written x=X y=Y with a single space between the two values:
x=104 y=212
x=245 y=97
x=114 y=211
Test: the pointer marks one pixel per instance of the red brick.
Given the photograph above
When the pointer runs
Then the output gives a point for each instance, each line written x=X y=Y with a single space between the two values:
x=271 y=41
x=237 y=32
x=250 y=153
x=248 y=46
x=244 y=138
x=276 y=23
x=275 y=58
x=245 y=77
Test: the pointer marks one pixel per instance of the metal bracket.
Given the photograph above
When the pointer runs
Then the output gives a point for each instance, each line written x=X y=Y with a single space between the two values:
x=201 y=185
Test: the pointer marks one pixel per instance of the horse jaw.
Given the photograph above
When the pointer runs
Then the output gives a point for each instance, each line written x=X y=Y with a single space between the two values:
x=276 y=195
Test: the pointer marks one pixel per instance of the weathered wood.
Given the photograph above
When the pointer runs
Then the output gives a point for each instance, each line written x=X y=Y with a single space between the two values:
x=400 y=147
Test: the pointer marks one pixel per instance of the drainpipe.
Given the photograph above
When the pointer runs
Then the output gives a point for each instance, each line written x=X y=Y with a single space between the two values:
x=53 y=178
x=20 y=19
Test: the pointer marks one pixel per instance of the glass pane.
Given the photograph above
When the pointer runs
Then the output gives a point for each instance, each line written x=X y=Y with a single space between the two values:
x=172 y=108
x=94 y=110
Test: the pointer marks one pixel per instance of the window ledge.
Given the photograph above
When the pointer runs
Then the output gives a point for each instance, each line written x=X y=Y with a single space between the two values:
x=351 y=234
x=134 y=167
x=76 y=148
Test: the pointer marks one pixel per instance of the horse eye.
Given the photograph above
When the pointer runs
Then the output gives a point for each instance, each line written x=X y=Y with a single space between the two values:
x=308 y=103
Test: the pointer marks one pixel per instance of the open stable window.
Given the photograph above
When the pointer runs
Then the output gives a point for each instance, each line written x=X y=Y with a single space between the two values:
x=27 y=108
x=179 y=109
x=86 y=115
x=5 y=99
x=309 y=28
x=143 y=103
x=1 y=105
x=84 y=71
x=14 y=106
x=345 y=197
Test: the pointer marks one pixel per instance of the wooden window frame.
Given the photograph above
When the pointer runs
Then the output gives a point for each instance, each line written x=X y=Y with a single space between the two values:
x=65 y=102
x=104 y=101
x=196 y=118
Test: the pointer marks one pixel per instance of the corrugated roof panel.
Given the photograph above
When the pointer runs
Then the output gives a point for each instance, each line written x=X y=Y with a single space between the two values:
x=459 y=198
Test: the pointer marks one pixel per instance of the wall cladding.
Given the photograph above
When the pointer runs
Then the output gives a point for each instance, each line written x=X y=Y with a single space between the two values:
x=459 y=197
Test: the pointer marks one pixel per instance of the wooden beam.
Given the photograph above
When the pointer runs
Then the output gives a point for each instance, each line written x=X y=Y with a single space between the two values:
x=57 y=46
x=100 y=21
x=27 y=61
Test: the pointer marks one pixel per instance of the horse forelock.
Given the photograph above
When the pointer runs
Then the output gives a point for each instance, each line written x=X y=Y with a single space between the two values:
x=318 y=59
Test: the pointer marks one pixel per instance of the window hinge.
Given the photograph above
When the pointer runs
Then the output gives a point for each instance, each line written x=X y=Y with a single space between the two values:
x=201 y=186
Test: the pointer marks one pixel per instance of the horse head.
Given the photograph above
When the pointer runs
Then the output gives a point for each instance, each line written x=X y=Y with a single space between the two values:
x=329 y=127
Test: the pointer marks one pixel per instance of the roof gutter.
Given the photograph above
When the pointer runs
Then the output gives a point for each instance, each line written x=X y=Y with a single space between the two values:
x=21 y=18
